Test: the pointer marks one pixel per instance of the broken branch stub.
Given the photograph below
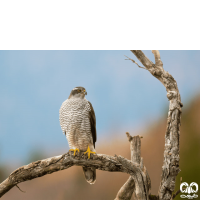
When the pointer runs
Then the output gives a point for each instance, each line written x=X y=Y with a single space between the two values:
x=138 y=185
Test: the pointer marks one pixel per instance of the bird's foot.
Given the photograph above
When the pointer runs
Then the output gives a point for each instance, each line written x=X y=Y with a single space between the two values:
x=74 y=150
x=89 y=152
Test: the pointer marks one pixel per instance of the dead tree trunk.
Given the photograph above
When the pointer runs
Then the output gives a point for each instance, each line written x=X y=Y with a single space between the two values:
x=170 y=167
x=139 y=181
x=141 y=190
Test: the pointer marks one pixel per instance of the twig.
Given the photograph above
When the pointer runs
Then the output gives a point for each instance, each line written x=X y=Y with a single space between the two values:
x=174 y=195
x=20 y=189
x=134 y=62
x=129 y=136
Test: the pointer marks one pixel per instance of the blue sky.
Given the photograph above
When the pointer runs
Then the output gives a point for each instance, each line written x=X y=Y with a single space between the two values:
x=33 y=85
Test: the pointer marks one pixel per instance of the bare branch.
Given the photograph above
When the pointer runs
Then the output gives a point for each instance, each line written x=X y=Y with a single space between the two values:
x=157 y=58
x=143 y=59
x=132 y=185
x=20 y=189
x=170 y=167
x=57 y=163
x=126 y=191
x=174 y=195
x=136 y=149
x=134 y=62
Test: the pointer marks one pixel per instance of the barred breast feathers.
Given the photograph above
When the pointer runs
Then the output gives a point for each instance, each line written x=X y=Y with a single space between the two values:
x=75 y=122
x=73 y=111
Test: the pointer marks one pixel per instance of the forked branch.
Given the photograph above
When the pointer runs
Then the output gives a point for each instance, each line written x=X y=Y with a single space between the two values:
x=170 y=167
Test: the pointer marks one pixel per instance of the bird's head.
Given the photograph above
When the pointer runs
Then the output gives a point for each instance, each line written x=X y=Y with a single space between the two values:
x=78 y=92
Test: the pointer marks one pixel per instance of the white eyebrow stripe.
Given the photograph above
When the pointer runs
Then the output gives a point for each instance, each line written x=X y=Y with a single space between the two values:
x=75 y=88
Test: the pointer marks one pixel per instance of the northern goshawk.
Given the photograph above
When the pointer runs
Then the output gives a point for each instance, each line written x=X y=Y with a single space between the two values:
x=78 y=123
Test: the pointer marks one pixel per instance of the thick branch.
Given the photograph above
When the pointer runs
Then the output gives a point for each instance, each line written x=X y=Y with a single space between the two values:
x=132 y=185
x=170 y=167
x=57 y=163
x=142 y=58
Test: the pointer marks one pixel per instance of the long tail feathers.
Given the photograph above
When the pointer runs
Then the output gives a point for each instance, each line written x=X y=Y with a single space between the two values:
x=90 y=174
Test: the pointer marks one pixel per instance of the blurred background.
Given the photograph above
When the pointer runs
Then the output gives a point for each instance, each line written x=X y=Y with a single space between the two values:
x=33 y=85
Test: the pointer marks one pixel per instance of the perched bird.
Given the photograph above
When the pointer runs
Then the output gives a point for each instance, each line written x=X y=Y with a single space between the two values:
x=78 y=123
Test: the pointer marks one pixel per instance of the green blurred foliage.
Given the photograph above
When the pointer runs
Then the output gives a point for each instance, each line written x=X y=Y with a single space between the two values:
x=190 y=145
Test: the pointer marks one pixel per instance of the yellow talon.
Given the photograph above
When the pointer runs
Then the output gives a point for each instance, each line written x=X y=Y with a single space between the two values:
x=89 y=152
x=75 y=150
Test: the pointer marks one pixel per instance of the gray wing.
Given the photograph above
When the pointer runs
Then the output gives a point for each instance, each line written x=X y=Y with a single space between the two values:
x=93 y=124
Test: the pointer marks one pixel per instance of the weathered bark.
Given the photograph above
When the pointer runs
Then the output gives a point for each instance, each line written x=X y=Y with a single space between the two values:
x=170 y=167
x=126 y=191
x=57 y=163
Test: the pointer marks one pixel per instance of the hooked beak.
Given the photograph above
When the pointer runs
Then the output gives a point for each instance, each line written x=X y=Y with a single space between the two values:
x=85 y=92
